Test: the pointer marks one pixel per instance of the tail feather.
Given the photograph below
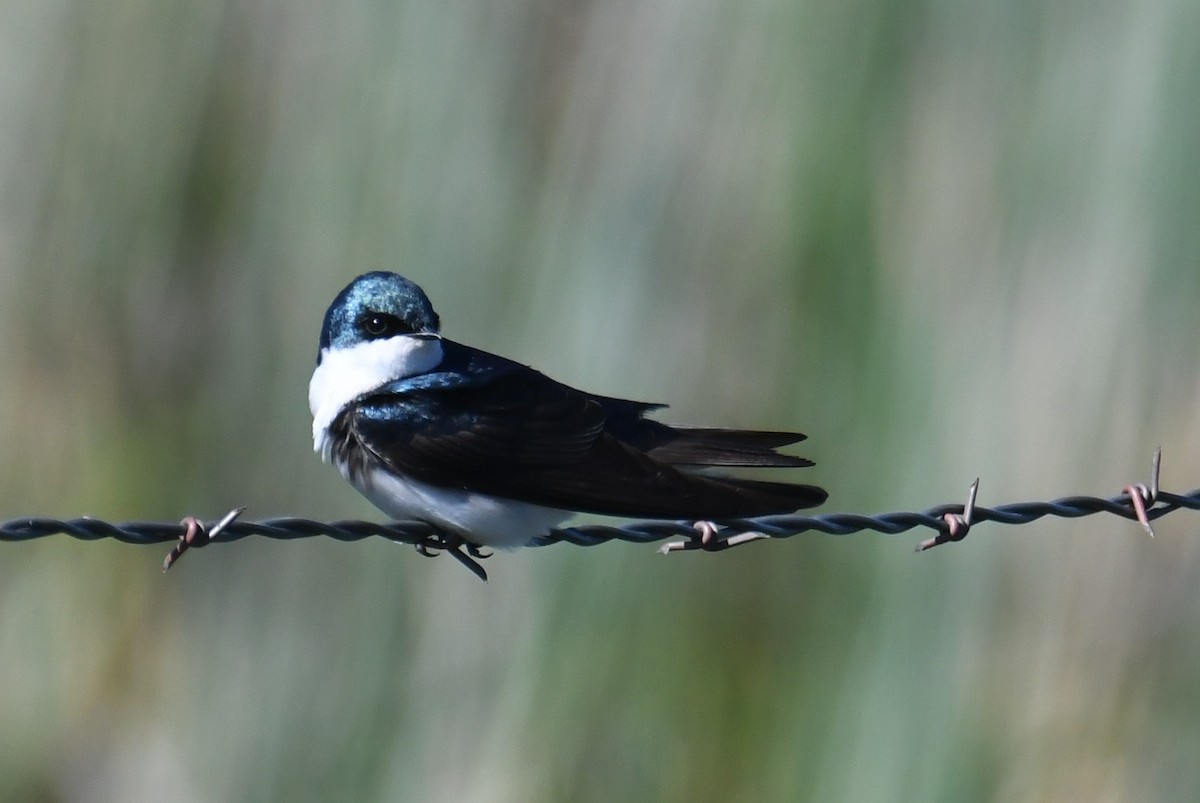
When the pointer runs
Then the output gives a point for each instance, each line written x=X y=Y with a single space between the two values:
x=743 y=498
x=696 y=446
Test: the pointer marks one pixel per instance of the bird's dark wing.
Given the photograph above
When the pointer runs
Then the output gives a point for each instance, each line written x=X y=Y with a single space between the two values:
x=499 y=428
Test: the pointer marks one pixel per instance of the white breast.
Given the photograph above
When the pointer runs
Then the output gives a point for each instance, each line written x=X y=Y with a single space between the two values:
x=345 y=374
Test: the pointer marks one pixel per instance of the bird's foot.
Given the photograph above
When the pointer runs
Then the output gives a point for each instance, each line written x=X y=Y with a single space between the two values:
x=457 y=547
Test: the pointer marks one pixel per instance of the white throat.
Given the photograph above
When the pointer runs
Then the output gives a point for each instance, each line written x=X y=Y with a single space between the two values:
x=345 y=374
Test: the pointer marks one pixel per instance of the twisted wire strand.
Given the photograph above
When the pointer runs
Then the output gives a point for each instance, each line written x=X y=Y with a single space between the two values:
x=1068 y=507
x=428 y=536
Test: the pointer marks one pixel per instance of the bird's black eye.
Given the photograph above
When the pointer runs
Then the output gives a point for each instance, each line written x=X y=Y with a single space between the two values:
x=380 y=324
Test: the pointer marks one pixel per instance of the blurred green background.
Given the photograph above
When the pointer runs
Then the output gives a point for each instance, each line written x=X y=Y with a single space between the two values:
x=946 y=240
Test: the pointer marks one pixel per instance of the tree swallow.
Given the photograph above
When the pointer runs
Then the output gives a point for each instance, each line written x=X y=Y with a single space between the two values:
x=497 y=453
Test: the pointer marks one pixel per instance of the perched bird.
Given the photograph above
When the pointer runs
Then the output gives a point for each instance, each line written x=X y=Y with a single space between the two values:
x=497 y=453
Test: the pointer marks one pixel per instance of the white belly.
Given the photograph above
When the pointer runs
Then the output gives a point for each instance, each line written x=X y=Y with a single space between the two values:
x=480 y=519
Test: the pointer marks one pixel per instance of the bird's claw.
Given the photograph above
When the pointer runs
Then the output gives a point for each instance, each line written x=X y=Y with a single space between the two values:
x=458 y=547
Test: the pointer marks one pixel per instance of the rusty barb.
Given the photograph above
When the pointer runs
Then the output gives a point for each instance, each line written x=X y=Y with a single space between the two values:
x=957 y=524
x=195 y=534
x=1142 y=497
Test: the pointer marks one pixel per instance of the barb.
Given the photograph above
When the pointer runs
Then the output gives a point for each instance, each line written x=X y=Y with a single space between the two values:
x=1140 y=495
x=957 y=524
x=195 y=534
x=951 y=522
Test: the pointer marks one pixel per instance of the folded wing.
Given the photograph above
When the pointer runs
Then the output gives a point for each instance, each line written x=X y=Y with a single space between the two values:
x=520 y=435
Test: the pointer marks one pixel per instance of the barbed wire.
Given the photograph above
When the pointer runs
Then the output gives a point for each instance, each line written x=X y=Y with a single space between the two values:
x=951 y=522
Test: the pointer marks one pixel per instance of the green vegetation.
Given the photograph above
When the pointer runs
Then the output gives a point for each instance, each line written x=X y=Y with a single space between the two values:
x=945 y=240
